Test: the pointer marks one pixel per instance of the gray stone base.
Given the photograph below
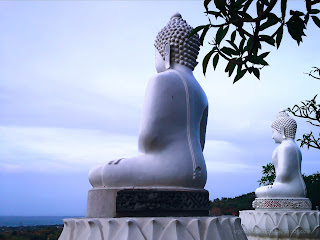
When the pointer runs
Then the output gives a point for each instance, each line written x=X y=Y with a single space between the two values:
x=105 y=202
x=157 y=228
x=281 y=224
x=101 y=203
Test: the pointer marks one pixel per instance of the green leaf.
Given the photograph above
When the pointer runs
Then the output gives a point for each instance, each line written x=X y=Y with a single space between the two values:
x=279 y=36
x=267 y=39
x=259 y=59
x=233 y=36
x=228 y=51
x=227 y=67
x=236 y=6
x=254 y=59
x=197 y=29
x=256 y=72
x=272 y=20
x=263 y=62
x=266 y=2
x=283 y=8
x=247 y=5
x=206 y=60
x=244 y=14
x=206 y=3
x=203 y=34
x=259 y=8
x=220 y=4
x=239 y=75
x=233 y=45
x=314 y=11
x=263 y=55
x=216 y=14
x=242 y=44
x=215 y=61
x=296 y=13
x=231 y=69
x=221 y=33
x=247 y=47
x=295 y=27
x=306 y=18
x=316 y=20
x=240 y=2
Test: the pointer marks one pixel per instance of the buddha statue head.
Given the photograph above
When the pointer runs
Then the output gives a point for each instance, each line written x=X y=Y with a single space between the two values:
x=175 y=46
x=284 y=126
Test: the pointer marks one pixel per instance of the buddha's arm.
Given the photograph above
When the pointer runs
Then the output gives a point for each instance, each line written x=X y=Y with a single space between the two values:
x=161 y=112
x=203 y=127
x=287 y=164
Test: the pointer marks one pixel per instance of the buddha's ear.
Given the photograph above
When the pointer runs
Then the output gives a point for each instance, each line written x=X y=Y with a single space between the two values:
x=282 y=132
x=167 y=55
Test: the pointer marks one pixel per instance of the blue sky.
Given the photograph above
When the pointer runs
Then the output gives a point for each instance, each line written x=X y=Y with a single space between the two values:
x=72 y=81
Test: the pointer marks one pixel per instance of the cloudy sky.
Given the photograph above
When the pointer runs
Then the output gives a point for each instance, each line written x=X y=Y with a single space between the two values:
x=72 y=81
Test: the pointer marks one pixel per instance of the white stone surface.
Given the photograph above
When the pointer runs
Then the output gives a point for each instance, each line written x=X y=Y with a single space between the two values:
x=173 y=125
x=101 y=203
x=169 y=228
x=287 y=162
x=281 y=224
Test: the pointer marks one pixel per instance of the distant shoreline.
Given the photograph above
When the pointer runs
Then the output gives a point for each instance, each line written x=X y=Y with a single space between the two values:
x=29 y=221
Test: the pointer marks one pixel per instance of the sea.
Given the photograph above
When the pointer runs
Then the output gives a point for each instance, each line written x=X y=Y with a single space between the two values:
x=16 y=221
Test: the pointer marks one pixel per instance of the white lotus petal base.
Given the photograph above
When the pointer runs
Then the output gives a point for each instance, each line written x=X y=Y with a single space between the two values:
x=281 y=224
x=155 y=228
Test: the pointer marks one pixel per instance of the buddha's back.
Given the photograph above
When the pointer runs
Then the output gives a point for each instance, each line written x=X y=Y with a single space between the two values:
x=175 y=106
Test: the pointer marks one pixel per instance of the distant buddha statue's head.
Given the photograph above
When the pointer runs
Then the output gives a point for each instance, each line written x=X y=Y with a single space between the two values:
x=284 y=127
x=175 y=46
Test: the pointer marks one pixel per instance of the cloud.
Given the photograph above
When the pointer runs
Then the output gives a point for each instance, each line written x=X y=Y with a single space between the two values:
x=60 y=149
x=227 y=157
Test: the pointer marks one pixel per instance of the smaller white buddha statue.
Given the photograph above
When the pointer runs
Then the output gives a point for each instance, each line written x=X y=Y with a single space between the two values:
x=287 y=162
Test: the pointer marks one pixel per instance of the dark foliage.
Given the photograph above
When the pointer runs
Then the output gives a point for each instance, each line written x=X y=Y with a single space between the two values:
x=30 y=233
x=232 y=206
x=310 y=110
x=249 y=33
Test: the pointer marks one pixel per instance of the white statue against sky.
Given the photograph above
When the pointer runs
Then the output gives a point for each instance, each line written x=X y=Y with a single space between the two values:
x=287 y=162
x=173 y=125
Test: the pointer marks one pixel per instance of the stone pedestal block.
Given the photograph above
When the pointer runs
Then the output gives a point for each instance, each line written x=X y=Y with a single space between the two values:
x=281 y=224
x=157 y=228
x=104 y=202
x=101 y=203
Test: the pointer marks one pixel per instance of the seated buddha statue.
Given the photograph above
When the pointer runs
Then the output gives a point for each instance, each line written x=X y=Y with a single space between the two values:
x=173 y=125
x=287 y=162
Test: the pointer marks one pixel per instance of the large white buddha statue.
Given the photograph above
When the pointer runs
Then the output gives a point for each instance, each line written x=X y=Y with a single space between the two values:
x=173 y=125
x=287 y=162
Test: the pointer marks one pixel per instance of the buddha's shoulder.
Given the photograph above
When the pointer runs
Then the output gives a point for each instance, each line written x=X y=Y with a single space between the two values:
x=166 y=77
x=287 y=146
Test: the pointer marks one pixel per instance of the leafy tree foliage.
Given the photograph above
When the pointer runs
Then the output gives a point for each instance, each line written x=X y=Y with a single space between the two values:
x=30 y=233
x=232 y=206
x=312 y=183
x=268 y=175
x=243 y=51
x=310 y=110
x=313 y=188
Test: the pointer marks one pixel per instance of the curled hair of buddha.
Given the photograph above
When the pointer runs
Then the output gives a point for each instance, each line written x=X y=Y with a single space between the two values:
x=289 y=124
x=183 y=50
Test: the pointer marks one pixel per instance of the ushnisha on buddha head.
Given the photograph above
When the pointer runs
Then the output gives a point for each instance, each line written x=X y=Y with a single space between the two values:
x=175 y=46
x=284 y=127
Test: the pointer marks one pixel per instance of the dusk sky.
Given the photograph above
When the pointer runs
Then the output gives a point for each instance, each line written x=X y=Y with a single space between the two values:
x=73 y=76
